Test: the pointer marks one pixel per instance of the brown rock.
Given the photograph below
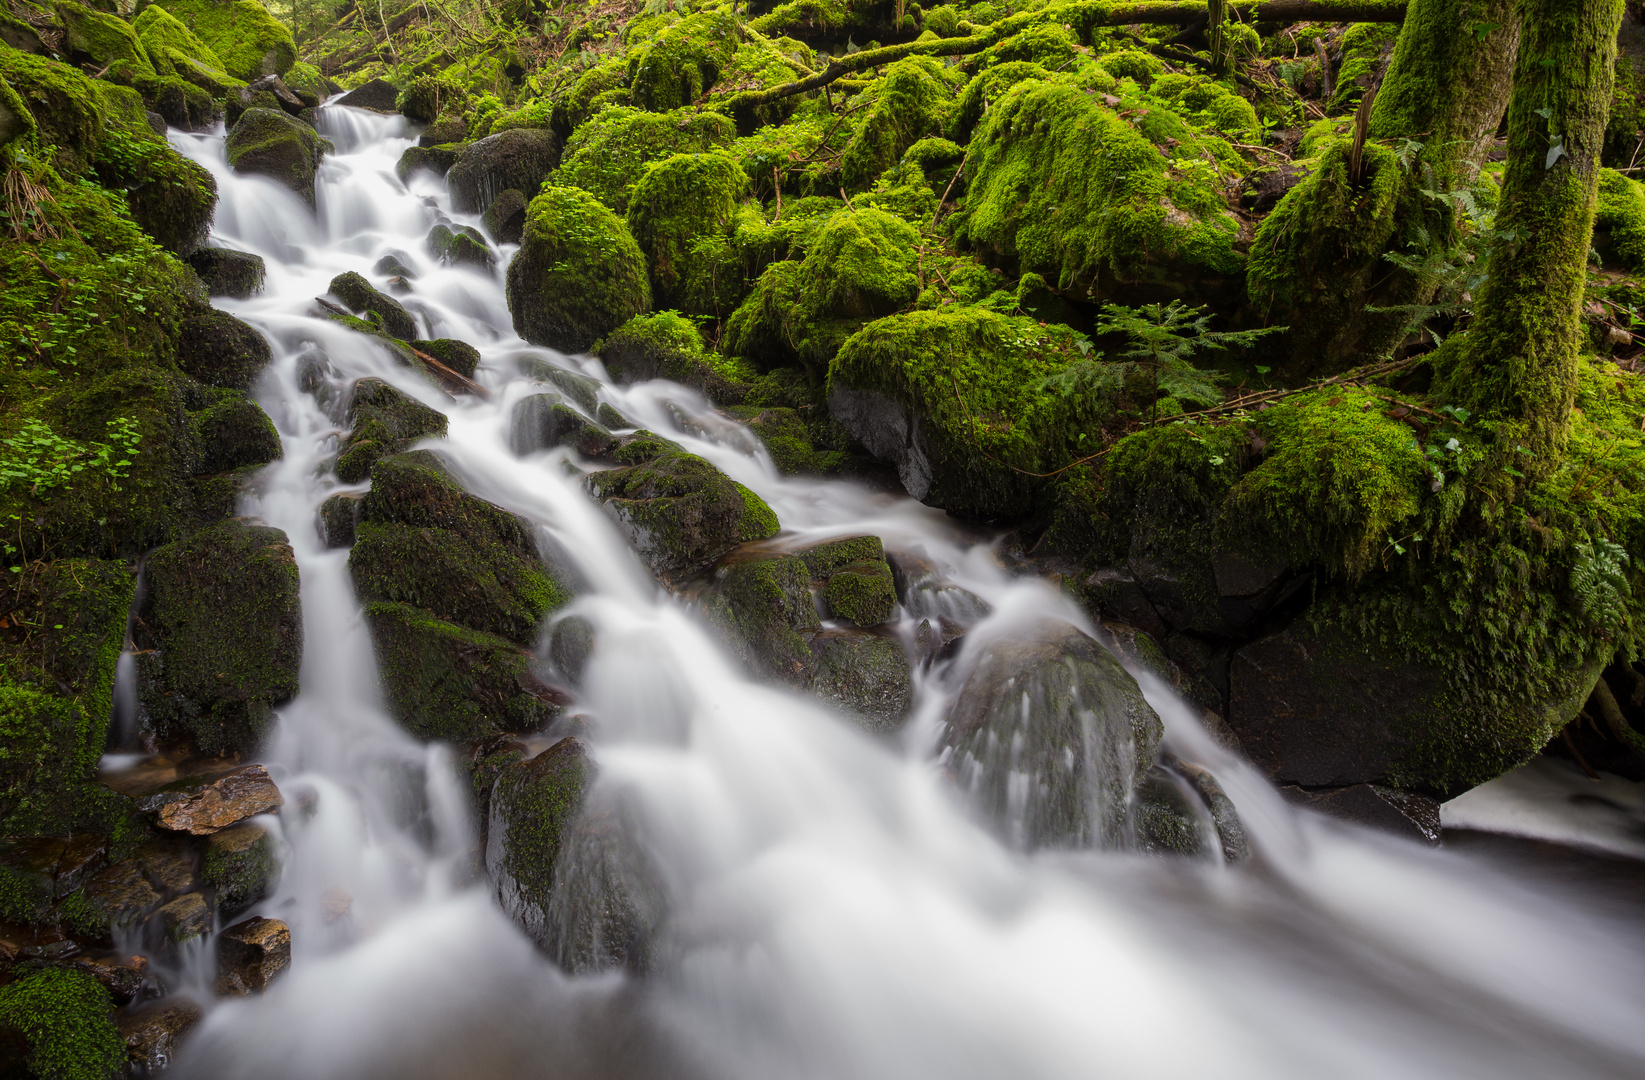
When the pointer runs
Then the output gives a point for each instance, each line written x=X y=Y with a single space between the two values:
x=168 y=862
x=203 y=804
x=119 y=896
x=154 y=1031
x=251 y=954
x=186 y=918
x=121 y=976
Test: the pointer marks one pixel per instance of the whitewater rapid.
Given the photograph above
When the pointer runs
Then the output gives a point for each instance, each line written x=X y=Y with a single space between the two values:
x=833 y=910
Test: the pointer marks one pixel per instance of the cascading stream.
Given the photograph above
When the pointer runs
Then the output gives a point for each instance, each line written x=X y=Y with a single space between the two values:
x=832 y=909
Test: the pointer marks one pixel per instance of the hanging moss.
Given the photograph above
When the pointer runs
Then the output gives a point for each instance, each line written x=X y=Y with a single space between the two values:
x=911 y=101
x=62 y=1015
x=251 y=42
x=684 y=61
x=681 y=213
x=578 y=274
x=608 y=154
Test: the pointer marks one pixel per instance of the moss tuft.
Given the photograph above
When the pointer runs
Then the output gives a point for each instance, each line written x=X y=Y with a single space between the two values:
x=251 y=42
x=911 y=101
x=62 y=1015
x=1619 y=220
x=608 y=154
x=666 y=345
x=684 y=61
x=578 y=275
x=682 y=213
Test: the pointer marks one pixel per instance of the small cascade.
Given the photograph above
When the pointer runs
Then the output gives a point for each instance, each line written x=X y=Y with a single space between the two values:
x=757 y=885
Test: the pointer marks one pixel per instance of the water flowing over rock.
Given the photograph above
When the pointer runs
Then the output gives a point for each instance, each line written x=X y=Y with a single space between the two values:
x=272 y=144
x=1049 y=736
x=517 y=159
x=252 y=954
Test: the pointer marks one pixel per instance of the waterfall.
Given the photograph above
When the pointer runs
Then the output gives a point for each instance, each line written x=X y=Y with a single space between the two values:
x=833 y=909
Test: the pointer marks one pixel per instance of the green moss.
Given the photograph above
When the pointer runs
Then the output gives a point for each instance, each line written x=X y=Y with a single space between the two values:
x=1061 y=185
x=536 y=802
x=759 y=64
x=666 y=345
x=385 y=421
x=239 y=864
x=445 y=682
x=681 y=213
x=225 y=613
x=171 y=197
x=1209 y=104
x=860 y=265
x=759 y=521
x=272 y=144
x=794 y=447
x=1619 y=219
x=861 y=593
x=162 y=34
x=1364 y=47
x=63 y=105
x=608 y=154
x=251 y=42
x=911 y=101
x=1316 y=262
x=764 y=607
x=986 y=88
x=1132 y=64
x=684 y=61
x=603 y=82
x=102 y=39
x=578 y=275
x=973 y=378
x=63 y=1017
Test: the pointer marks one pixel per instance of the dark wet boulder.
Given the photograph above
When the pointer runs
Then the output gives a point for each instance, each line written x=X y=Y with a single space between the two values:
x=459 y=356
x=239 y=864
x=1050 y=704
x=223 y=620
x=359 y=297
x=226 y=272
x=544 y=421
x=578 y=274
x=567 y=864
x=385 y=421
x=207 y=801
x=379 y=95
x=394 y=264
x=667 y=345
x=518 y=159
x=287 y=100
x=338 y=518
x=460 y=245
x=505 y=217
x=269 y=143
x=857 y=584
x=235 y=433
x=1318 y=707
x=866 y=676
x=252 y=954
x=220 y=350
x=100 y=39
x=241 y=98
x=1165 y=817
x=153 y=1032
x=766 y=614
x=435 y=159
x=444 y=131
x=681 y=513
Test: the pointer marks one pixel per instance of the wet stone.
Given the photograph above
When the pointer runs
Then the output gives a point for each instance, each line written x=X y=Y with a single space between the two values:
x=461 y=245
x=251 y=954
x=863 y=675
x=186 y=918
x=154 y=1032
x=505 y=218
x=204 y=804
x=394 y=264
x=169 y=862
x=339 y=516
x=120 y=896
x=226 y=272
x=378 y=95
x=121 y=976
x=239 y=864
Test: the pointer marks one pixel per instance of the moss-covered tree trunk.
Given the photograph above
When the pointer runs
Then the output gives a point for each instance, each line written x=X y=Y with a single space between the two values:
x=1317 y=263
x=1448 y=82
x=1518 y=361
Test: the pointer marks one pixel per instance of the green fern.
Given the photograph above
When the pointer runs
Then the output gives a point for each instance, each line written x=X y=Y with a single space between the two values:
x=1599 y=584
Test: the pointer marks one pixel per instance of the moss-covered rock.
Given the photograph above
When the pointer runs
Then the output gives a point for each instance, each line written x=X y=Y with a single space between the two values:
x=666 y=345
x=226 y=623
x=449 y=683
x=162 y=35
x=171 y=197
x=462 y=245
x=795 y=446
x=504 y=219
x=681 y=513
x=684 y=61
x=459 y=356
x=857 y=586
x=578 y=275
x=250 y=42
x=226 y=272
x=239 y=864
x=911 y=101
x=93 y=37
x=1060 y=185
x=533 y=806
x=359 y=297
x=860 y=265
x=520 y=159
x=1619 y=220
x=62 y=105
x=866 y=676
x=220 y=350
x=269 y=143
x=764 y=611
x=437 y=159
x=681 y=213
x=56 y=1021
x=608 y=154
x=385 y=421
x=954 y=398
x=235 y=433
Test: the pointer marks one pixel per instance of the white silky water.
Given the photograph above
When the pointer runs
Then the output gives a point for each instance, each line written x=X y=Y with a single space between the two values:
x=833 y=910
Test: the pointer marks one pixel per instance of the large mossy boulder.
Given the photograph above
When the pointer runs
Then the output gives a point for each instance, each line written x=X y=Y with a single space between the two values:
x=171 y=197
x=859 y=266
x=220 y=350
x=607 y=155
x=954 y=399
x=680 y=513
x=269 y=143
x=683 y=62
x=519 y=159
x=1061 y=185
x=682 y=213
x=225 y=618
x=171 y=45
x=250 y=42
x=1050 y=704
x=578 y=275
x=100 y=39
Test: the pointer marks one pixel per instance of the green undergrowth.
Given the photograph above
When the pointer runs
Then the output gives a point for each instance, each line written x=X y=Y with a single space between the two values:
x=63 y=1017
